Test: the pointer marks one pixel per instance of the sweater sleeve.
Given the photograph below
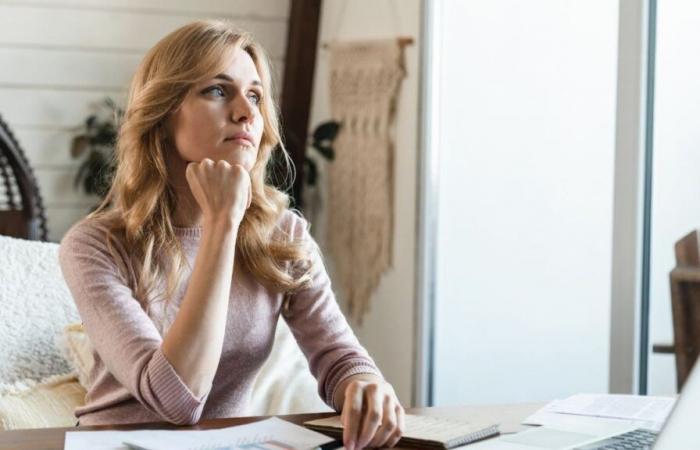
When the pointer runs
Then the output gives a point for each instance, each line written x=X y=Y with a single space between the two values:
x=320 y=328
x=123 y=335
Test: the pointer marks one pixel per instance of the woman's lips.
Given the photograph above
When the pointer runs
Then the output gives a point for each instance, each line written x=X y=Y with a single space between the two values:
x=242 y=141
x=242 y=138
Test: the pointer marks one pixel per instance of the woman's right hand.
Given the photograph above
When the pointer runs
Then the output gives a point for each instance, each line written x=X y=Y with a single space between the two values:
x=222 y=190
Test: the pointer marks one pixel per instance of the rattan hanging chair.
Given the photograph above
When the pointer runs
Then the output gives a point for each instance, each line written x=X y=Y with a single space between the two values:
x=22 y=213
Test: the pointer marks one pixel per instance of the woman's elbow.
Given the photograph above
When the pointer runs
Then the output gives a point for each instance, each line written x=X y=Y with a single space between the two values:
x=191 y=418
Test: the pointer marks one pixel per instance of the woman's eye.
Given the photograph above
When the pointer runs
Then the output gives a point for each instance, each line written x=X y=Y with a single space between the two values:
x=217 y=91
x=254 y=98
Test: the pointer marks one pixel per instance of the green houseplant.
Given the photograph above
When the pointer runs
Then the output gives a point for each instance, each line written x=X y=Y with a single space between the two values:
x=94 y=144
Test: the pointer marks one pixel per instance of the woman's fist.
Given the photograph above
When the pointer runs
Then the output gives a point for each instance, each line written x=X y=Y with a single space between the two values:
x=222 y=190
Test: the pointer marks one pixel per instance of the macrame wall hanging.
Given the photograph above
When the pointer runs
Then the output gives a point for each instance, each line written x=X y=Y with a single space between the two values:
x=365 y=78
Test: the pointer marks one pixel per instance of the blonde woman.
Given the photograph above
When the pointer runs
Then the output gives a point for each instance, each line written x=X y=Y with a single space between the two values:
x=182 y=273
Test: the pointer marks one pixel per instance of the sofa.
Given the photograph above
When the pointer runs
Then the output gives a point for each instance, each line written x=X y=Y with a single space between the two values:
x=45 y=355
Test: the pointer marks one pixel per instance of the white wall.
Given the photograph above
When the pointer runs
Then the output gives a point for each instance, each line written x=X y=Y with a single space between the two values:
x=58 y=58
x=676 y=185
x=387 y=331
x=525 y=125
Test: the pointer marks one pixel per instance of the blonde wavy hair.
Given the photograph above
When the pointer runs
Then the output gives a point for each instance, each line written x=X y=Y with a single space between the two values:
x=141 y=201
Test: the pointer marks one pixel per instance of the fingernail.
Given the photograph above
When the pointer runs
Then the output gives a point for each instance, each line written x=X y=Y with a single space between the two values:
x=350 y=446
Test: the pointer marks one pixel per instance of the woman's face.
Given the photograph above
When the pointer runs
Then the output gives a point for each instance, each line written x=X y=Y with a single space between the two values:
x=220 y=118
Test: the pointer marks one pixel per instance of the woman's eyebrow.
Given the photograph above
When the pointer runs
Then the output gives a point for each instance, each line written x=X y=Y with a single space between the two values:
x=223 y=76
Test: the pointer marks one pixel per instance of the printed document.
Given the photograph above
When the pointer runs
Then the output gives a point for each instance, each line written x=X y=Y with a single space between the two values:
x=637 y=410
x=271 y=433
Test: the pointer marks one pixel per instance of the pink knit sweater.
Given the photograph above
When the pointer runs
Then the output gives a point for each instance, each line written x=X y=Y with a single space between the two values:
x=132 y=381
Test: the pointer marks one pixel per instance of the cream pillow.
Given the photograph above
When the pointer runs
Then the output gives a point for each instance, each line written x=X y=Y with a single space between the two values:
x=284 y=384
x=78 y=350
x=48 y=403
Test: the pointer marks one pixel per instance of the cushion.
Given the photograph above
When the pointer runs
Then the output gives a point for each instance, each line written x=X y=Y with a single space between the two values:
x=284 y=384
x=78 y=350
x=47 y=403
x=36 y=306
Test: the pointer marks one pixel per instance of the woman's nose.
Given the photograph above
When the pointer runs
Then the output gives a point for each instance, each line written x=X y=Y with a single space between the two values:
x=242 y=110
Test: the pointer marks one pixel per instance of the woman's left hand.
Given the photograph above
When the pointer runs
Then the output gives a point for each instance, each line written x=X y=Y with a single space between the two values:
x=372 y=415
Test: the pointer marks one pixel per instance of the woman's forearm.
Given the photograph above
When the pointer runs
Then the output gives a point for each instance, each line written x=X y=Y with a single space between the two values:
x=194 y=341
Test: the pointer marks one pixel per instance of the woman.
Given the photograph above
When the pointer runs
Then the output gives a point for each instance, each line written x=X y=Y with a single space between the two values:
x=182 y=273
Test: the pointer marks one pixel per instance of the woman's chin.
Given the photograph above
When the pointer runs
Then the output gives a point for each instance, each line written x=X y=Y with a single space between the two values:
x=244 y=158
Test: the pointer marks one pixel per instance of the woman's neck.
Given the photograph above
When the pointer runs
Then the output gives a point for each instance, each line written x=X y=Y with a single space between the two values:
x=188 y=213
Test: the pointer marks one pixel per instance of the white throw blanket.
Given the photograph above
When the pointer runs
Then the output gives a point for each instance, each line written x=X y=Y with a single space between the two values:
x=35 y=306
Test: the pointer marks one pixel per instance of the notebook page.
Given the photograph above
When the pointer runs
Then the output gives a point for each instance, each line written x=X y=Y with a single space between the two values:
x=430 y=428
x=440 y=429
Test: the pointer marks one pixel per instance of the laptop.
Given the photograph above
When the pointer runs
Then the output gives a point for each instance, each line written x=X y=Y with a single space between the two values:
x=681 y=431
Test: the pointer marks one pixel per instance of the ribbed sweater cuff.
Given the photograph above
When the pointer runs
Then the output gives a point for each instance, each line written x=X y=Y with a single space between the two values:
x=176 y=398
x=361 y=367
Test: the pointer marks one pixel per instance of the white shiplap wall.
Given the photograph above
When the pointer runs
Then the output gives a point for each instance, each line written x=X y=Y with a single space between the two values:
x=59 y=58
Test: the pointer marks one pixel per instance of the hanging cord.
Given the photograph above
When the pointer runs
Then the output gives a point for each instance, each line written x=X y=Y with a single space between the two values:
x=394 y=9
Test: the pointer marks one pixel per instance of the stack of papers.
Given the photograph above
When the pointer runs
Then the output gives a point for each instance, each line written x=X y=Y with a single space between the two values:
x=635 y=410
x=270 y=434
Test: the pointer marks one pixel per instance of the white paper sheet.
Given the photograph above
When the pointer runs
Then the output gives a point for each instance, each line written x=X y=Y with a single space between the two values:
x=272 y=429
x=558 y=420
x=641 y=411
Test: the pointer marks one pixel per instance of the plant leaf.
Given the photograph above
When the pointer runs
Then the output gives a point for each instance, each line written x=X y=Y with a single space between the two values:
x=325 y=150
x=94 y=178
x=326 y=131
x=105 y=135
x=78 y=145
x=110 y=103
x=311 y=171
x=81 y=173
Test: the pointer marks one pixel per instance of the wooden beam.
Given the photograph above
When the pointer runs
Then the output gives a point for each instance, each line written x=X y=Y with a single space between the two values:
x=300 y=63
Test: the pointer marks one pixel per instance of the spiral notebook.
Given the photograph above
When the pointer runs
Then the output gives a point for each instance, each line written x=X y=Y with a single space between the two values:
x=427 y=432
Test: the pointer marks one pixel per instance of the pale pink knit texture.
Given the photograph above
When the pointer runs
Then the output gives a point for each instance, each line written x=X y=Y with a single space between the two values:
x=132 y=381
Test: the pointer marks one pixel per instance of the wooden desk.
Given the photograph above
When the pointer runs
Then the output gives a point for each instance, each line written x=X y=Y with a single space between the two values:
x=509 y=416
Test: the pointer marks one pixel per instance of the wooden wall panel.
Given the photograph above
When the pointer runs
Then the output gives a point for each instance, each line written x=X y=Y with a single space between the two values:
x=112 y=30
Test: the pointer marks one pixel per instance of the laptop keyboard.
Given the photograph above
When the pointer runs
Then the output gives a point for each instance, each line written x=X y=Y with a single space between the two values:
x=639 y=439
